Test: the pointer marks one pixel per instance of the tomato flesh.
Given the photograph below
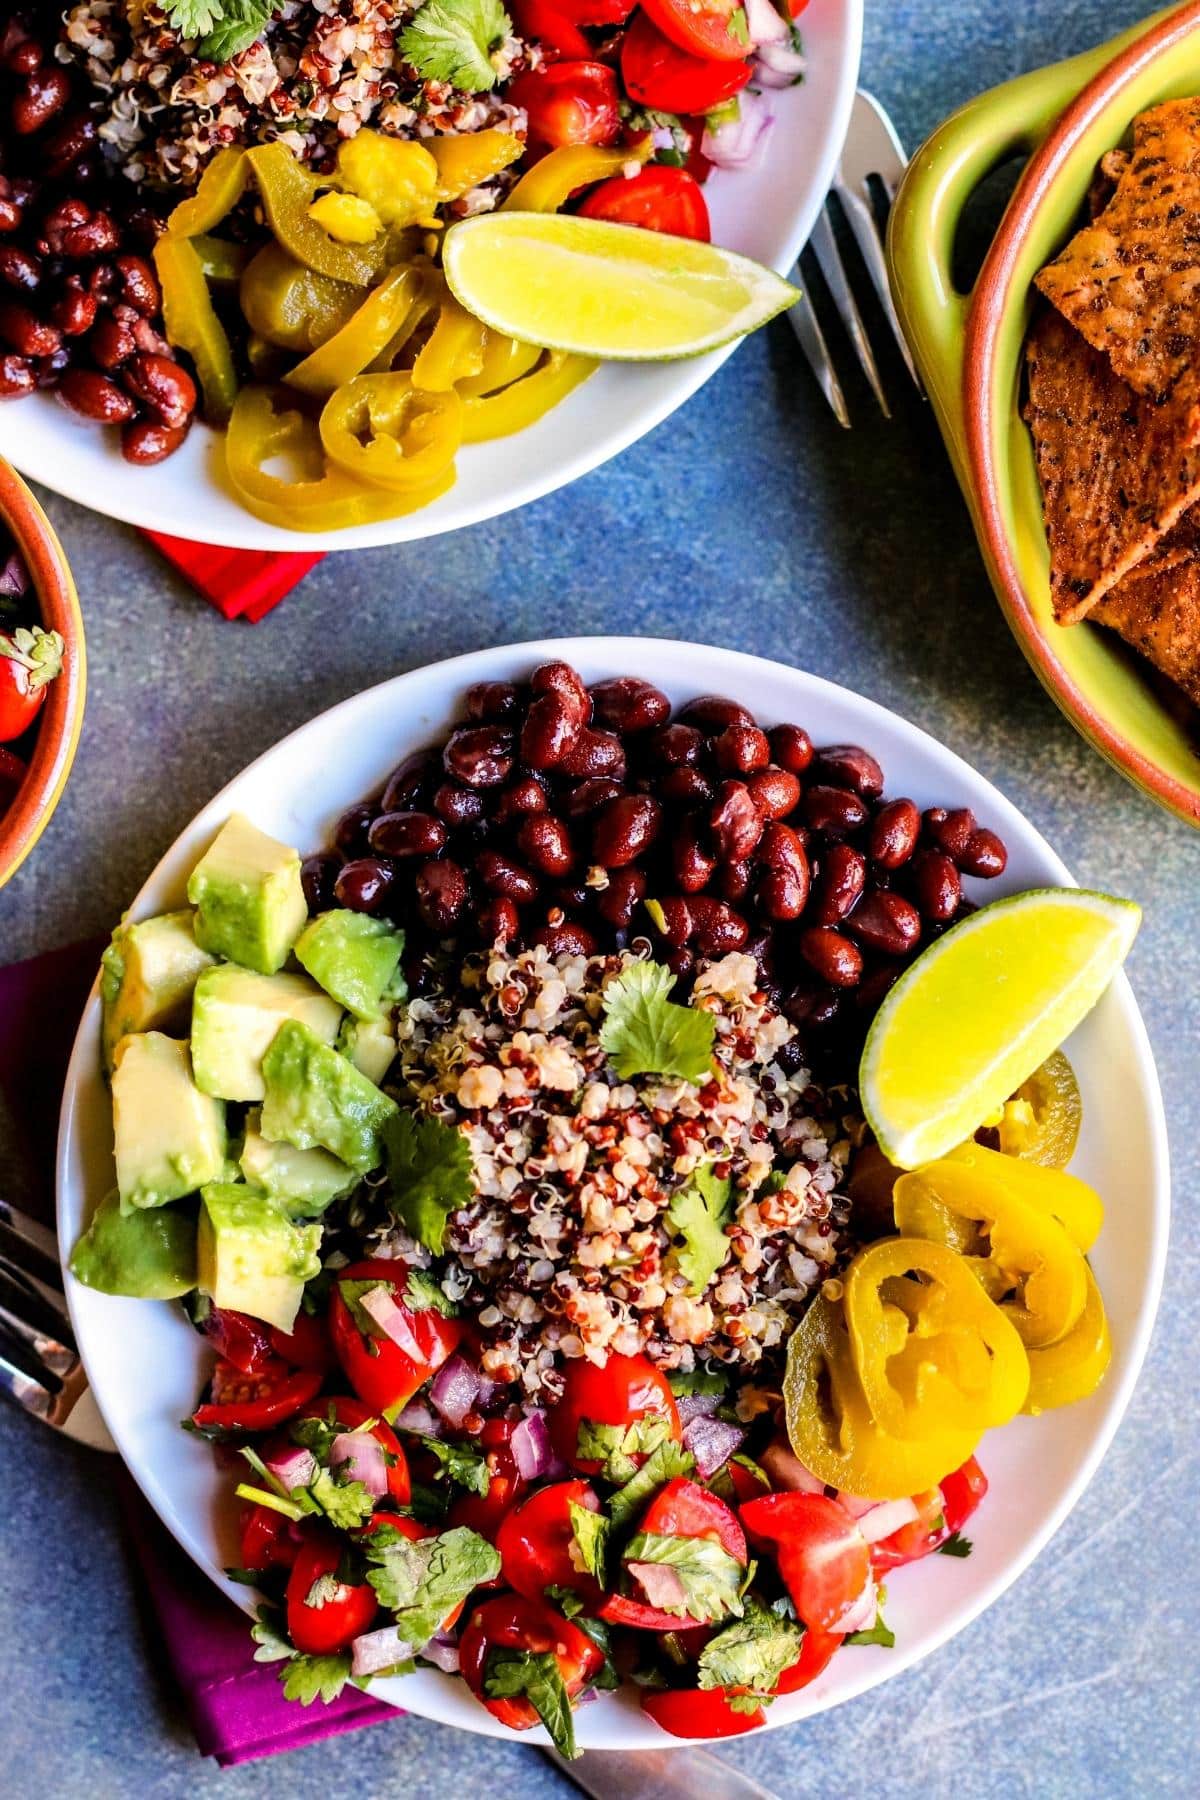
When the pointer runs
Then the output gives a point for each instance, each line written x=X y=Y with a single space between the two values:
x=19 y=703
x=239 y=1339
x=657 y=198
x=823 y=1557
x=383 y=1375
x=306 y=1345
x=514 y=1622
x=596 y=12
x=12 y=774
x=268 y=1540
x=941 y=1513
x=258 y=1402
x=657 y=73
x=573 y=102
x=698 y=1713
x=684 y=1509
x=341 y=1617
x=626 y=1389
x=535 y=1540
x=815 y=1653
x=416 y=1533
x=701 y=29
x=350 y=1414
x=551 y=26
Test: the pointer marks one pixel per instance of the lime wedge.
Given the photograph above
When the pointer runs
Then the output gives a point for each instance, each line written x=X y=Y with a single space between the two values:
x=981 y=1009
x=612 y=291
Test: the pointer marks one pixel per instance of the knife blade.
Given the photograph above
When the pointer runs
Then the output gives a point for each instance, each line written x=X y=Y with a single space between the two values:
x=658 y=1775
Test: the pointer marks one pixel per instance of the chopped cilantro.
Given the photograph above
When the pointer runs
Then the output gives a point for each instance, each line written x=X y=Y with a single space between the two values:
x=425 y=1291
x=273 y=1646
x=455 y=41
x=698 y=1381
x=316 y=1434
x=709 y=1577
x=224 y=28
x=700 y=1213
x=956 y=1545
x=878 y=1634
x=615 y=1446
x=245 y=1577
x=590 y=1531
x=324 y=1589
x=309 y=1678
x=662 y=1465
x=460 y=1464
x=536 y=1677
x=422 y=1582
x=346 y=1504
x=752 y=1653
x=738 y=27
x=429 y=1170
x=645 y=1033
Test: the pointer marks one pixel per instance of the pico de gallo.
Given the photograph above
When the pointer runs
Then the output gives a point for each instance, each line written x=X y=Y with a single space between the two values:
x=30 y=659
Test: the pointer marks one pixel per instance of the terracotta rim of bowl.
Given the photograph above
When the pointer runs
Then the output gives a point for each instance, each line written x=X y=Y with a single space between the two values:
x=994 y=292
x=61 y=717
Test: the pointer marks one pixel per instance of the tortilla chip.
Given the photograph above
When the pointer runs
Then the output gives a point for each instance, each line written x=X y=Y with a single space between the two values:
x=1114 y=470
x=1109 y=170
x=1157 y=611
x=1130 y=281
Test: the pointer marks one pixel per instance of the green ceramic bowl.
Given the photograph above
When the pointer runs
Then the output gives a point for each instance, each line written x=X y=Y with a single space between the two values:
x=969 y=348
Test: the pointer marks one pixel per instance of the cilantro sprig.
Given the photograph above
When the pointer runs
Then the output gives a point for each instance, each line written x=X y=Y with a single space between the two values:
x=534 y=1676
x=457 y=41
x=421 y=1582
x=221 y=29
x=751 y=1653
x=615 y=1446
x=710 y=1579
x=429 y=1173
x=701 y=1213
x=645 y=1033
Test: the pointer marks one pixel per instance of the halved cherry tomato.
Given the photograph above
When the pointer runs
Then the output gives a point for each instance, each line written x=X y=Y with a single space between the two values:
x=415 y=1532
x=238 y=1339
x=626 y=1389
x=306 y=1345
x=12 y=774
x=702 y=27
x=569 y=103
x=380 y=1372
x=484 y=1513
x=961 y=1493
x=823 y=1557
x=942 y=1511
x=513 y=1622
x=796 y=7
x=657 y=73
x=617 y=1609
x=535 y=1540
x=657 y=198
x=684 y=1509
x=269 y=1541
x=596 y=12
x=815 y=1652
x=698 y=1712
x=255 y=1402
x=24 y=677
x=334 y=1620
x=350 y=1414
x=550 y=25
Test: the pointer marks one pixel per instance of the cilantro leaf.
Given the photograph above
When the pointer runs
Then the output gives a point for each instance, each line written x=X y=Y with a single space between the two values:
x=700 y=1213
x=192 y=18
x=662 y=1465
x=536 y=1677
x=878 y=1634
x=709 y=1577
x=309 y=1678
x=460 y=1464
x=698 y=1381
x=425 y=1291
x=738 y=27
x=645 y=1033
x=316 y=1434
x=429 y=1169
x=346 y=1504
x=455 y=41
x=590 y=1532
x=273 y=1646
x=422 y=1582
x=325 y=1588
x=615 y=1446
x=223 y=28
x=956 y=1545
x=752 y=1653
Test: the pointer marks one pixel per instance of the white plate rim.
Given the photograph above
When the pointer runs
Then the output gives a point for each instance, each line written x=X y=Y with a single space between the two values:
x=457 y=672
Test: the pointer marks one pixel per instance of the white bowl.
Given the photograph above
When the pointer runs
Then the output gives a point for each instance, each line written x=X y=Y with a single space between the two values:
x=766 y=212
x=147 y=1365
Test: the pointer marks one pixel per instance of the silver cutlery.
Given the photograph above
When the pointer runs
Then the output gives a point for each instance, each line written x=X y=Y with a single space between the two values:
x=669 y=1774
x=40 y=1367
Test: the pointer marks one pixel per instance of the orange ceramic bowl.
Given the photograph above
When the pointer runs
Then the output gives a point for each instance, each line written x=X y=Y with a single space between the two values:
x=60 y=719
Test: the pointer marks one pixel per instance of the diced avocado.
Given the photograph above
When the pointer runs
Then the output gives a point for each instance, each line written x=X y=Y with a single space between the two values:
x=353 y=957
x=235 y=1015
x=303 y=1181
x=250 y=1256
x=147 y=976
x=169 y=1137
x=315 y=1097
x=248 y=897
x=148 y=1255
x=370 y=1045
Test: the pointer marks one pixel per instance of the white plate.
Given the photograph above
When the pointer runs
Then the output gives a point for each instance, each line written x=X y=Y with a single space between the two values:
x=766 y=212
x=146 y=1364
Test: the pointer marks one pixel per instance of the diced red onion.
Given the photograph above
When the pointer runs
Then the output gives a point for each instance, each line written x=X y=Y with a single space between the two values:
x=530 y=1445
x=416 y=1416
x=487 y=1391
x=293 y=1467
x=854 y=1506
x=442 y=1651
x=660 y=1583
x=455 y=1389
x=696 y=1406
x=779 y=66
x=712 y=1442
x=363 y=1458
x=377 y=1650
x=392 y=1320
x=765 y=24
x=14 y=577
x=788 y=1472
x=888 y=1516
x=860 y=1614
x=737 y=143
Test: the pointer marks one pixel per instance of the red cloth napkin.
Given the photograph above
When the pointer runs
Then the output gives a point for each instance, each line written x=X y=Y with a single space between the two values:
x=242 y=584
x=236 y=1705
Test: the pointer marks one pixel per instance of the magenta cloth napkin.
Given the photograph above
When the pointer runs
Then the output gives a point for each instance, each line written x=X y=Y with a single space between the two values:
x=236 y=1705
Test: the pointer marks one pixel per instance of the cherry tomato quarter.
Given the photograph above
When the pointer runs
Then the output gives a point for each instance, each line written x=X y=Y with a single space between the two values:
x=535 y=1541
x=657 y=198
x=247 y=1403
x=550 y=26
x=306 y=1345
x=268 y=1540
x=569 y=103
x=815 y=1653
x=514 y=1622
x=698 y=1713
x=350 y=1414
x=684 y=1509
x=823 y=1557
x=382 y=1374
x=961 y=1493
x=626 y=1389
x=339 y=1614
x=657 y=73
x=29 y=661
x=702 y=27
x=239 y=1339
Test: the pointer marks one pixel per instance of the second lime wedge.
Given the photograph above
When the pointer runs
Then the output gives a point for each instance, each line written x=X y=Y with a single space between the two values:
x=981 y=1009
x=612 y=291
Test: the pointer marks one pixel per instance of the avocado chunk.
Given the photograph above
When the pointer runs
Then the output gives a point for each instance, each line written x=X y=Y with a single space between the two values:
x=353 y=957
x=147 y=976
x=147 y=1255
x=303 y=1181
x=169 y=1138
x=249 y=901
x=235 y=1015
x=370 y=1044
x=250 y=1256
x=316 y=1098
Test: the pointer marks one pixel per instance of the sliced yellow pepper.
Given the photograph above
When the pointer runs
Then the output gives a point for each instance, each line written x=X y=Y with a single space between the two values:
x=398 y=177
x=1072 y=1368
x=504 y=361
x=831 y=1428
x=935 y=1348
x=191 y=324
x=1041 y=1121
x=221 y=262
x=319 y=499
x=1077 y=1207
x=290 y=305
x=383 y=430
x=551 y=182
x=525 y=401
x=454 y=350
x=370 y=329
x=346 y=217
x=464 y=159
x=288 y=192
x=220 y=188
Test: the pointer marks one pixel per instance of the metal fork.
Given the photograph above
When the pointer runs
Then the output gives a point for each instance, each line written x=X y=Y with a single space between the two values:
x=872 y=149
x=40 y=1366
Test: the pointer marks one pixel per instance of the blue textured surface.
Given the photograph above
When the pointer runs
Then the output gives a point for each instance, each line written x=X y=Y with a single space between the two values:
x=749 y=520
